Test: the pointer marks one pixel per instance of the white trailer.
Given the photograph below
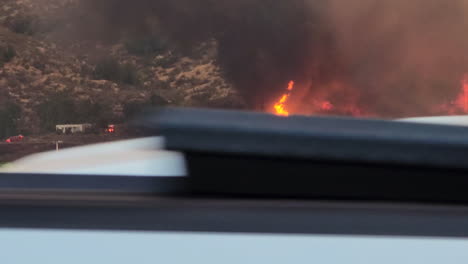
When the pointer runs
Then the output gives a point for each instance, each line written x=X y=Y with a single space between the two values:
x=73 y=128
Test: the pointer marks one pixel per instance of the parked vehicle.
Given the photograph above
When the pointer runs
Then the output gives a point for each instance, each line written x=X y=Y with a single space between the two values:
x=18 y=138
x=73 y=128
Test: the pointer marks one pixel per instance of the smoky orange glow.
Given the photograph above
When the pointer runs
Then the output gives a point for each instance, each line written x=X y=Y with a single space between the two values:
x=462 y=100
x=280 y=105
x=321 y=105
x=327 y=106
x=458 y=105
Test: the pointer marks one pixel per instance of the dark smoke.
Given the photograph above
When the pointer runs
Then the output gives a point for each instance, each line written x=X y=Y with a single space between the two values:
x=388 y=58
x=404 y=57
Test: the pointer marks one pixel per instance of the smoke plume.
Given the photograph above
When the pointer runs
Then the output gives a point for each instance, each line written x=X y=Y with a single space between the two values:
x=385 y=58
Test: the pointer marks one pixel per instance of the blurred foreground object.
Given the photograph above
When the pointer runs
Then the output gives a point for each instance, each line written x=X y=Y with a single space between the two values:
x=245 y=153
x=439 y=120
x=138 y=157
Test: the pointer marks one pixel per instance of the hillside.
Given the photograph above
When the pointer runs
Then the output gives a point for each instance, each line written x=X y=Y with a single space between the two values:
x=44 y=71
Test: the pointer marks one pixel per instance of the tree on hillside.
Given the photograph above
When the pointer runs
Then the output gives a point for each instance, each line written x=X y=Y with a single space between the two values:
x=23 y=24
x=61 y=108
x=7 y=53
x=135 y=108
x=9 y=114
x=97 y=113
x=110 y=69
x=58 y=108
x=146 y=45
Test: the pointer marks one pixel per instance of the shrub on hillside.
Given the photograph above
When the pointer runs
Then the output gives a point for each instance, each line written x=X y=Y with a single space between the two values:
x=110 y=69
x=60 y=108
x=135 y=108
x=22 y=25
x=129 y=74
x=156 y=101
x=168 y=60
x=107 y=69
x=9 y=114
x=234 y=103
x=132 y=109
x=146 y=46
x=94 y=112
x=7 y=53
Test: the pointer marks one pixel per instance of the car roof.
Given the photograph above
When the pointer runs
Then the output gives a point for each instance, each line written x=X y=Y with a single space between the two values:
x=461 y=120
x=134 y=157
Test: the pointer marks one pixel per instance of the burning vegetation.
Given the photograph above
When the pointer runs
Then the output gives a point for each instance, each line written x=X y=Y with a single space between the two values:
x=392 y=58
x=280 y=106
x=362 y=57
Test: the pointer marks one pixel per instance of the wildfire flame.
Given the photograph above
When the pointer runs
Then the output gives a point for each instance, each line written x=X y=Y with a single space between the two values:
x=458 y=105
x=280 y=105
x=326 y=106
x=462 y=100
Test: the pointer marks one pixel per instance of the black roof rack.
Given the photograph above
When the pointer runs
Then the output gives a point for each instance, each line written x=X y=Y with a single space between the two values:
x=102 y=184
x=244 y=153
x=324 y=138
x=241 y=154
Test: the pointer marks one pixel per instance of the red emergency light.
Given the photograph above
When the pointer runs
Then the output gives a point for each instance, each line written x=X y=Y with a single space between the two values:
x=110 y=129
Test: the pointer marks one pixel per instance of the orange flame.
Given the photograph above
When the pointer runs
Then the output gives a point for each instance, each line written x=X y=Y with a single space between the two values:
x=462 y=100
x=280 y=107
x=326 y=106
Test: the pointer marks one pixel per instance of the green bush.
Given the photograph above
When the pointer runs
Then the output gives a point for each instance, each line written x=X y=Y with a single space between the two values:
x=110 y=69
x=7 y=53
x=9 y=114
